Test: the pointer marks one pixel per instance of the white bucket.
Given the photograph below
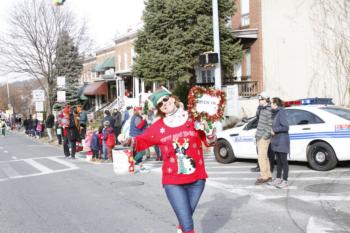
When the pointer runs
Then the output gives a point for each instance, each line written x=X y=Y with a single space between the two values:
x=88 y=157
x=120 y=160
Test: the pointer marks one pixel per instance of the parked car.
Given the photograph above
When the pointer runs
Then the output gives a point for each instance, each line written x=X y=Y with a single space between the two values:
x=320 y=135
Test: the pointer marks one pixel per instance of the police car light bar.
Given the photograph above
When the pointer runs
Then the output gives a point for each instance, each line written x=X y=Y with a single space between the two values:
x=309 y=101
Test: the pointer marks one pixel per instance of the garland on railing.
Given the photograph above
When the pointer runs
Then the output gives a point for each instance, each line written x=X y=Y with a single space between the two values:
x=197 y=92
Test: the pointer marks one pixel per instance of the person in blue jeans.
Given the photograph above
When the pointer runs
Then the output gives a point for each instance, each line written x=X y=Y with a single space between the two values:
x=184 y=200
x=180 y=143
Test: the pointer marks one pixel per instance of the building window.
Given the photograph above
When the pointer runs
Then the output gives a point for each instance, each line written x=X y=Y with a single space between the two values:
x=207 y=76
x=248 y=64
x=237 y=71
x=245 y=19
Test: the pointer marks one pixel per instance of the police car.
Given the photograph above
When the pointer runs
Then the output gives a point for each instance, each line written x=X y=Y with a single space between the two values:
x=319 y=134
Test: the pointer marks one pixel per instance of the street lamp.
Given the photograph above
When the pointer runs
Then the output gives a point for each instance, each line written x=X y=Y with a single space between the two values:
x=216 y=34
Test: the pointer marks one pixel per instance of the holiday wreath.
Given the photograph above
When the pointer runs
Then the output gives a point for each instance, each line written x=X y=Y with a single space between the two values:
x=206 y=104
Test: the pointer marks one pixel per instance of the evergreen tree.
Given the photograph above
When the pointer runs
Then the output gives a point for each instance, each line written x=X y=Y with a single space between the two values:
x=68 y=63
x=176 y=32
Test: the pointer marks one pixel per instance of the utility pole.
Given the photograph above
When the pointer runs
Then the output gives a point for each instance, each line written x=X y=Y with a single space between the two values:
x=216 y=33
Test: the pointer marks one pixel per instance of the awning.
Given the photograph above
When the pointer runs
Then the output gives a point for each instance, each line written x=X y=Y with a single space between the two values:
x=108 y=63
x=96 y=88
x=81 y=91
x=98 y=68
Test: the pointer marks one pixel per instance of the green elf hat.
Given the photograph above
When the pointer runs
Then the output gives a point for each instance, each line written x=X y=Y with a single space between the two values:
x=157 y=95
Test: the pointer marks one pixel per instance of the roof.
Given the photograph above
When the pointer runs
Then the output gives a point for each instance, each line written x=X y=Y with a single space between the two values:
x=96 y=88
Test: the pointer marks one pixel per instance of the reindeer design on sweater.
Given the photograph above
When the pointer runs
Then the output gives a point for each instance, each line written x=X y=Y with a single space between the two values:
x=185 y=164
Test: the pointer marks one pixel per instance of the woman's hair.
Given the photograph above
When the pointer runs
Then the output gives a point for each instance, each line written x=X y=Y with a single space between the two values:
x=277 y=101
x=177 y=104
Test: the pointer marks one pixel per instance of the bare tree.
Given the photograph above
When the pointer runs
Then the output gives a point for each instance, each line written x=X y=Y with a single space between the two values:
x=29 y=45
x=332 y=25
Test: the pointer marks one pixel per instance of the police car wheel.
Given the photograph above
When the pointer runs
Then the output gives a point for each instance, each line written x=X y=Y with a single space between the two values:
x=223 y=152
x=321 y=156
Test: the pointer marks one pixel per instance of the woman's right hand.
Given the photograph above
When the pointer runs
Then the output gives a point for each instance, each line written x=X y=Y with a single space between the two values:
x=124 y=140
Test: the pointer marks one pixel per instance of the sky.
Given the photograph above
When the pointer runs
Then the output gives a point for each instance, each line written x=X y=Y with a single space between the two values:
x=105 y=18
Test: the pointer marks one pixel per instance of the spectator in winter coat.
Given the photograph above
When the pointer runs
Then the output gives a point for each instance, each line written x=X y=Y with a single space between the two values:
x=117 y=116
x=49 y=123
x=138 y=124
x=70 y=132
x=107 y=132
x=280 y=143
x=95 y=146
x=59 y=127
x=107 y=117
x=263 y=137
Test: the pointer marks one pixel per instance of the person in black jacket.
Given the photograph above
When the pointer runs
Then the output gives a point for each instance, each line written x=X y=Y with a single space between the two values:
x=49 y=123
x=280 y=143
x=107 y=117
x=71 y=134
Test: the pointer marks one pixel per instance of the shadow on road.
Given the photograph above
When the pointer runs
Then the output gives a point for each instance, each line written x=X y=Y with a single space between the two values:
x=219 y=211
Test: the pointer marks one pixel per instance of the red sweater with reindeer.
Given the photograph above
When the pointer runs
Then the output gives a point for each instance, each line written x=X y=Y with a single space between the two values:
x=181 y=148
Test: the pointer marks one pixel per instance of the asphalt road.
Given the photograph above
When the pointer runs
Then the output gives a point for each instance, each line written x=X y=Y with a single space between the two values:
x=41 y=192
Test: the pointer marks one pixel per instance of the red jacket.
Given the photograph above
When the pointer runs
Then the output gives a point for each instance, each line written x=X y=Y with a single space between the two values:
x=181 y=148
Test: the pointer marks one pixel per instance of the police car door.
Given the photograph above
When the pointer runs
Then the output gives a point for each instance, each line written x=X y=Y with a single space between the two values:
x=245 y=144
x=303 y=125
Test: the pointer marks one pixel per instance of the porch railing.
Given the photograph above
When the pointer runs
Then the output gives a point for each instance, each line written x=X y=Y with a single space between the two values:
x=246 y=88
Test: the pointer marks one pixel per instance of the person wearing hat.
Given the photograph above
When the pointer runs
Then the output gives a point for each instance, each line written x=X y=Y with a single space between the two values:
x=137 y=126
x=263 y=137
x=180 y=143
x=107 y=132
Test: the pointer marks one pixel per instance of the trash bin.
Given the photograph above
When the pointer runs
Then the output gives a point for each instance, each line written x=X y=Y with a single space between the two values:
x=121 y=160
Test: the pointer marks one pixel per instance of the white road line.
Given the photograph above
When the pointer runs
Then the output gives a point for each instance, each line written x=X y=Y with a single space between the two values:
x=5 y=151
x=65 y=163
x=13 y=157
x=38 y=166
x=46 y=157
x=38 y=174
x=315 y=225
x=293 y=171
x=318 y=178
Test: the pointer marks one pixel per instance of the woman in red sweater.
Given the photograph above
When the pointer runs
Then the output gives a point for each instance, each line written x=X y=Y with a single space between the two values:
x=183 y=171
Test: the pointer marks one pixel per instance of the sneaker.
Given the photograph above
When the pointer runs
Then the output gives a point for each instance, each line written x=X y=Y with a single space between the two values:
x=282 y=185
x=275 y=182
x=144 y=170
x=179 y=229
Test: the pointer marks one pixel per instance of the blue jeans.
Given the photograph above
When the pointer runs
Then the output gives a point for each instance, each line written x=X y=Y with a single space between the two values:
x=104 y=150
x=184 y=199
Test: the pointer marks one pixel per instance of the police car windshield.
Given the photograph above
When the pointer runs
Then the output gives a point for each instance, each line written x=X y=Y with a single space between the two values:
x=341 y=112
